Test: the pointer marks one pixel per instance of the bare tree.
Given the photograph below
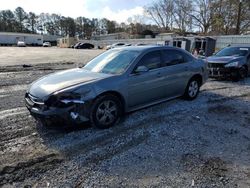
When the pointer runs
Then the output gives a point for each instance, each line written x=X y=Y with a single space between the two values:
x=202 y=14
x=161 y=12
x=245 y=16
x=182 y=15
x=223 y=22
x=230 y=16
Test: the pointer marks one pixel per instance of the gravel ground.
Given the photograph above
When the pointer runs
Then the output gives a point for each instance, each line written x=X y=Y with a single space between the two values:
x=200 y=143
x=37 y=55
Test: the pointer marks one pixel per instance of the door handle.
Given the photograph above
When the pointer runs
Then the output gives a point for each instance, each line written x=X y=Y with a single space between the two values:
x=186 y=68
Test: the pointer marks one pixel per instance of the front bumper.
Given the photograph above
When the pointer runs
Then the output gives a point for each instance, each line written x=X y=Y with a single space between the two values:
x=55 y=116
x=222 y=72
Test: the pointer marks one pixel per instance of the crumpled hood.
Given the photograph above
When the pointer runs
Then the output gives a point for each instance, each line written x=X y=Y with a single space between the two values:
x=224 y=59
x=63 y=79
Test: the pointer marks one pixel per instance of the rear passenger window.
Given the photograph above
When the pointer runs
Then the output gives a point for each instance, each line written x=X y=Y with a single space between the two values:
x=151 y=60
x=174 y=57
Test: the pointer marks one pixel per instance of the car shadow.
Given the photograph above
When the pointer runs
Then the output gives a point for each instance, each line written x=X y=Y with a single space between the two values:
x=61 y=129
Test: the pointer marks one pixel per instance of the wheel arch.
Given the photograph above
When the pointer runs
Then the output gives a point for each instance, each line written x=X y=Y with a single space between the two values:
x=247 y=69
x=118 y=95
x=246 y=66
x=198 y=77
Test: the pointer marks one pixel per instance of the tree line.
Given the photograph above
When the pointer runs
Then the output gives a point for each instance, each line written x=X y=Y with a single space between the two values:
x=213 y=17
x=54 y=24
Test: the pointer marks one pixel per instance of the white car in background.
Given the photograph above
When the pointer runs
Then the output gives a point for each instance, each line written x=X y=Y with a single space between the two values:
x=21 y=44
x=120 y=44
x=46 y=44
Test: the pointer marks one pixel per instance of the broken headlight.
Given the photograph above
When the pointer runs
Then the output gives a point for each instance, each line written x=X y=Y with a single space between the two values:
x=63 y=100
x=233 y=64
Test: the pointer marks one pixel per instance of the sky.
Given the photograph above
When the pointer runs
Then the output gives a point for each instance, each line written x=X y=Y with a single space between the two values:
x=118 y=10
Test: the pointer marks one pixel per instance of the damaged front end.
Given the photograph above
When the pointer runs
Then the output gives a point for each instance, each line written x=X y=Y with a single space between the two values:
x=220 y=70
x=59 y=108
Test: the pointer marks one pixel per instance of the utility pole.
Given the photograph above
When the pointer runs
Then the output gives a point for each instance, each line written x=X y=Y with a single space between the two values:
x=237 y=32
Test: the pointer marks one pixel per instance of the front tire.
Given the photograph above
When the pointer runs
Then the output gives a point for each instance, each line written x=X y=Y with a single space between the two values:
x=192 y=89
x=241 y=73
x=106 y=111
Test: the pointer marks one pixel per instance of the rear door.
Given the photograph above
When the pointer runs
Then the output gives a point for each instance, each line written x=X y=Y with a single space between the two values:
x=176 y=71
x=146 y=87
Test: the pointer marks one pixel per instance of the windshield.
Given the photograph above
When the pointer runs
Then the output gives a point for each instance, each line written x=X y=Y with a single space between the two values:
x=233 y=51
x=112 y=62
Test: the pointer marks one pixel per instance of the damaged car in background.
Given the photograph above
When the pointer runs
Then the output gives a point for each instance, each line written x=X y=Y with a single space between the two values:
x=231 y=62
x=118 y=81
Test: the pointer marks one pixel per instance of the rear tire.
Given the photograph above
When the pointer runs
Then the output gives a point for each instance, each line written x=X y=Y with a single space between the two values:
x=192 y=89
x=106 y=111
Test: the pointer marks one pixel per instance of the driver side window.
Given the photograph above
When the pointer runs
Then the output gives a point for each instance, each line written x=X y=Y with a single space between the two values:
x=151 y=60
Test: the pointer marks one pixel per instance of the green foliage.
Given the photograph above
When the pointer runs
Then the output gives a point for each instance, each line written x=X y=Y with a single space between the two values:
x=54 y=24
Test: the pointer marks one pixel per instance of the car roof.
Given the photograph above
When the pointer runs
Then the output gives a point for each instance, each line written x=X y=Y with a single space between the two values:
x=240 y=45
x=146 y=48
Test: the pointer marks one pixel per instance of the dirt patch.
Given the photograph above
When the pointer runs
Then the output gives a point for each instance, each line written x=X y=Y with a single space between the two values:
x=214 y=167
x=38 y=67
x=33 y=167
x=206 y=171
x=222 y=109
x=191 y=161
x=214 y=172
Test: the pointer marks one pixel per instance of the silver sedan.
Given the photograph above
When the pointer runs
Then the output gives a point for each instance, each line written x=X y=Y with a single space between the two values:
x=118 y=81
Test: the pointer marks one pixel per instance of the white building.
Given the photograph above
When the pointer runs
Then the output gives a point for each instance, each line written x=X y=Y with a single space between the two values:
x=112 y=36
x=8 y=38
x=165 y=36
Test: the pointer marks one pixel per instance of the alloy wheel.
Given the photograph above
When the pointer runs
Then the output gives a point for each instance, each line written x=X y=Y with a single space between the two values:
x=107 y=112
x=193 y=88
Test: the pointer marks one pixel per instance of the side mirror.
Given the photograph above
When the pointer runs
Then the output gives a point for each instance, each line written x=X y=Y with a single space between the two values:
x=141 y=69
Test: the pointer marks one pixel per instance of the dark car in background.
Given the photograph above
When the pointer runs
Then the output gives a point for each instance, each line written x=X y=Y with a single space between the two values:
x=118 y=81
x=231 y=62
x=80 y=45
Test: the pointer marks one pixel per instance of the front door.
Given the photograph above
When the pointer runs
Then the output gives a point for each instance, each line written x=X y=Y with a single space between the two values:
x=146 y=87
